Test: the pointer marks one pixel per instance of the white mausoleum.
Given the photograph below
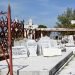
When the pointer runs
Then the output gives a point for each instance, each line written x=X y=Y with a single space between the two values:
x=30 y=29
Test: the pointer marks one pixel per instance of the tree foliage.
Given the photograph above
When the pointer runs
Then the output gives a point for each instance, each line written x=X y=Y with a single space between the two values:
x=42 y=26
x=64 y=20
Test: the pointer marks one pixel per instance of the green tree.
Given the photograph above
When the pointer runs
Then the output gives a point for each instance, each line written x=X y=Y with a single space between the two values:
x=42 y=26
x=44 y=32
x=64 y=20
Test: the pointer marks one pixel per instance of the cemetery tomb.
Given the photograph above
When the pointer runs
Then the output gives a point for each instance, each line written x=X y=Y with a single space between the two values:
x=38 y=65
x=19 y=51
x=46 y=47
x=31 y=47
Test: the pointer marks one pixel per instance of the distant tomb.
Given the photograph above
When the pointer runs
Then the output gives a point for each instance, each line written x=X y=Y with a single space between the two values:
x=70 y=41
x=70 y=37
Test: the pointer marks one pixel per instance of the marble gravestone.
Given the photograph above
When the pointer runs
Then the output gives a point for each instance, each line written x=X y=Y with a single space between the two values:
x=38 y=65
x=16 y=43
x=31 y=47
x=5 y=71
x=19 y=51
x=2 y=67
x=46 y=48
x=20 y=42
x=51 y=51
x=44 y=42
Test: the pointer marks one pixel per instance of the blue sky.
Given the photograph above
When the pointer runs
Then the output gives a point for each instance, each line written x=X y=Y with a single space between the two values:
x=40 y=11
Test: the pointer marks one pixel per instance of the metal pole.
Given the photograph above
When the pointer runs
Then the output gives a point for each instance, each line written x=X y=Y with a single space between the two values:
x=9 y=40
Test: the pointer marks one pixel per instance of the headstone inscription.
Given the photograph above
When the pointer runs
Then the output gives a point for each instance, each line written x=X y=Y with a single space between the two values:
x=19 y=51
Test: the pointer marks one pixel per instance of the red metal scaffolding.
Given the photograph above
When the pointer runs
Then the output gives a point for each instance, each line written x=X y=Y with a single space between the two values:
x=10 y=65
x=9 y=40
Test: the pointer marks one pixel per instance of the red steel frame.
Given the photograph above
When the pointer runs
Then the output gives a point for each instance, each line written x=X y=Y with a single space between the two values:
x=9 y=39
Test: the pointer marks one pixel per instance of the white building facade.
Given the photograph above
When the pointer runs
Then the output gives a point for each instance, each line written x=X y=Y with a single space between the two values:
x=29 y=29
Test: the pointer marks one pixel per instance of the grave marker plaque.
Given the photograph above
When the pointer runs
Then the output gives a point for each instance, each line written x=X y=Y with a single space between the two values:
x=19 y=51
